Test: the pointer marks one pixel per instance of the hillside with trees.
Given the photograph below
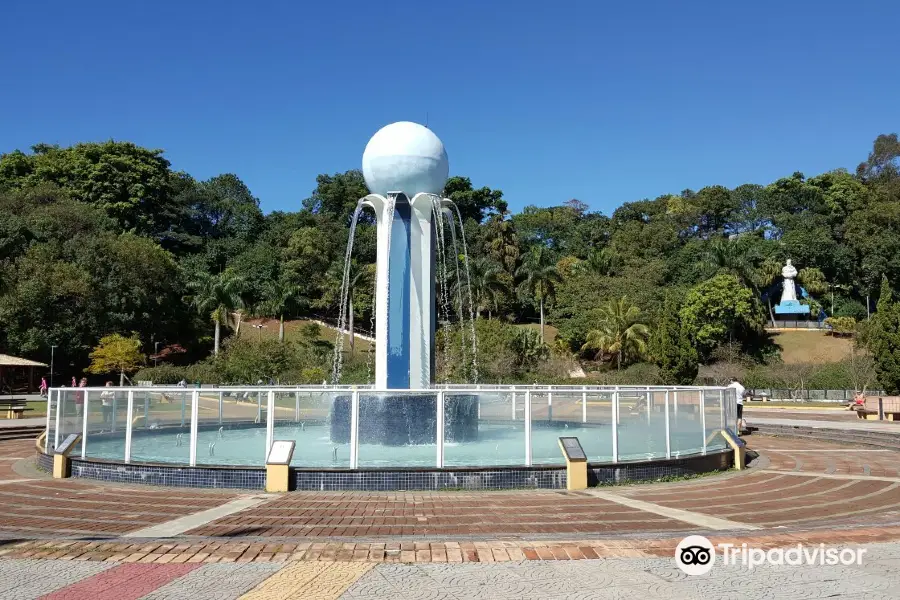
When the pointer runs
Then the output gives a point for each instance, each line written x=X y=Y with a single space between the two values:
x=107 y=238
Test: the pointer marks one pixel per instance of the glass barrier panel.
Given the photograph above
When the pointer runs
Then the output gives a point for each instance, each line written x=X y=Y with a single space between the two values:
x=685 y=426
x=641 y=429
x=479 y=429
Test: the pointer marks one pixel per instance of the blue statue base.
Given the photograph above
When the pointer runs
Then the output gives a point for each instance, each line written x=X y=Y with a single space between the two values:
x=791 y=307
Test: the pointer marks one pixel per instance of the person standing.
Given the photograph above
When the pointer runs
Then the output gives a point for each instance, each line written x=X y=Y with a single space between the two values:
x=79 y=396
x=43 y=387
x=739 y=392
x=106 y=398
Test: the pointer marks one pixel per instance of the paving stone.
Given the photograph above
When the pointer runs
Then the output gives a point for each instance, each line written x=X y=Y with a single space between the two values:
x=215 y=582
x=31 y=578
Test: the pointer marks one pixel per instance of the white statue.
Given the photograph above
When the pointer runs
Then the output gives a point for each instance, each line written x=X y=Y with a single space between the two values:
x=789 y=290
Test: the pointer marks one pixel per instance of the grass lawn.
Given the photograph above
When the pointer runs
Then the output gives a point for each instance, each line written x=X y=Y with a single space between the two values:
x=801 y=405
x=798 y=347
x=38 y=409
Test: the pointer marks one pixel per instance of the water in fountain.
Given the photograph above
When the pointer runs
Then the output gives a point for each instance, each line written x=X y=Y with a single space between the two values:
x=462 y=230
x=441 y=263
x=338 y=362
x=459 y=303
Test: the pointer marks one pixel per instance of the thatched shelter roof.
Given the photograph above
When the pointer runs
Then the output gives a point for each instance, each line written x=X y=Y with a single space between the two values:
x=14 y=361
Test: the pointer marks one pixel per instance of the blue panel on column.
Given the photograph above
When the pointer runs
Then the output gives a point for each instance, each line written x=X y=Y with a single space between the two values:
x=398 y=298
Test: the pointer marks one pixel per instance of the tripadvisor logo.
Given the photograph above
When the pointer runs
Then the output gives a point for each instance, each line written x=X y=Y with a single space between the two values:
x=696 y=555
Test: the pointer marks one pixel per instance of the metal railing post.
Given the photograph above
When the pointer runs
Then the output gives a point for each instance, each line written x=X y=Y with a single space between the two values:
x=668 y=433
x=527 y=427
x=583 y=404
x=129 y=417
x=49 y=416
x=84 y=425
x=221 y=406
x=649 y=396
x=146 y=410
x=549 y=406
x=703 y=418
x=270 y=423
x=514 y=404
x=615 y=425
x=439 y=442
x=259 y=409
x=722 y=419
x=195 y=412
x=296 y=407
x=59 y=403
x=354 y=430
x=183 y=402
x=115 y=409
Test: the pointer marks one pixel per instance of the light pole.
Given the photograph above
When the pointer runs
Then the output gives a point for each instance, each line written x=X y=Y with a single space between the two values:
x=259 y=329
x=52 y=353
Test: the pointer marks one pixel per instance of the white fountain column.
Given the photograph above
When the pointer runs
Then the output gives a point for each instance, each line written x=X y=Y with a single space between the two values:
x=404 y=348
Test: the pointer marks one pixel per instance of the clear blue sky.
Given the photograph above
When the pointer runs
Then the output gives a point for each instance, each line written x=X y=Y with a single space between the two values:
x=602 y=101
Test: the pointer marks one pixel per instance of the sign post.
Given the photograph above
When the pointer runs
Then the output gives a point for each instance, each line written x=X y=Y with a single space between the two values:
x=278 y=466
x=576 y=463
x=62 y=465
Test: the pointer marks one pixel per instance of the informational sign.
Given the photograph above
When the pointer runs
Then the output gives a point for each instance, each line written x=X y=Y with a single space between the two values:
x=572 y=447
x=735 y=441
x=281 y=453
x=67 y=444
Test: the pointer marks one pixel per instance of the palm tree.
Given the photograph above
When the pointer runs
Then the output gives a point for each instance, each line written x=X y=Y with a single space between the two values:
x=279 y=297
x=604 y=262
x=620 y=331
x=541 y=277
x=359 y=277
x=217 y=296
x=487 y=286
x=500 y=240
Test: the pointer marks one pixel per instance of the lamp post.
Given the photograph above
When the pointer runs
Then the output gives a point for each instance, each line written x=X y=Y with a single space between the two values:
x=52 y=353
x=259 y=329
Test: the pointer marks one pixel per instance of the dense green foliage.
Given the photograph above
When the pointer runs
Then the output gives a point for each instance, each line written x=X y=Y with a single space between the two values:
x=104 y=238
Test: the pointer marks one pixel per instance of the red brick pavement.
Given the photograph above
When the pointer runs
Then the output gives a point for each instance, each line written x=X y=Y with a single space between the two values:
x=780 y=495
x=125 y=582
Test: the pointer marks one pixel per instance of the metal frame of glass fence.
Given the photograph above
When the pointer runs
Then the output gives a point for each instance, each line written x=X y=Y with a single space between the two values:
x=191 y=397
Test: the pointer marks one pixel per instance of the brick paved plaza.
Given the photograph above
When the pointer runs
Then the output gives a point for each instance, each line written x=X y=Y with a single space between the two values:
x=86 y=539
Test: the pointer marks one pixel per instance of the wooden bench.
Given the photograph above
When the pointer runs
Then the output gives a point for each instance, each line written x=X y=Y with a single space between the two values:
x=890 y=406
x=14 y=407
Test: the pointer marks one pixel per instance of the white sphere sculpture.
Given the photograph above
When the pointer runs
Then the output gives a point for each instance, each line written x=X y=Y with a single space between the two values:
x=405 y=157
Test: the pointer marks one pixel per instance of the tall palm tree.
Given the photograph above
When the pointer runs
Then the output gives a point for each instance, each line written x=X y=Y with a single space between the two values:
x=487 y=286
x=541 y=277
x=217 y=296
x=279 y=297
x=500 y=241
x=621 y=331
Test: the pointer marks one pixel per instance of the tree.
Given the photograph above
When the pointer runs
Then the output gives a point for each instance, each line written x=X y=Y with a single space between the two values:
x=529 y=348
x=472 y=203
x=621 y=332
x=281 y=296
x=883 y=339
x=500 y=241
x=487 y=285
x=721 y=310
x=215 y=296
x=672 y=349
x=541 y=277
x=116 y=354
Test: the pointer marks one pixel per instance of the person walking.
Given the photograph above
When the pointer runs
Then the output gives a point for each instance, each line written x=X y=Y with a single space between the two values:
x=43 y=388
x=106 y=399
x=79 y=396
x=739 y=392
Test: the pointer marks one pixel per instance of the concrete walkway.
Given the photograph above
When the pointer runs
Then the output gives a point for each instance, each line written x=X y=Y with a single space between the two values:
x=876 y=577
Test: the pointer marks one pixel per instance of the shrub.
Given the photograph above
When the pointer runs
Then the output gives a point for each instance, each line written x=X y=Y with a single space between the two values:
x=161 y=375
x=841 y=326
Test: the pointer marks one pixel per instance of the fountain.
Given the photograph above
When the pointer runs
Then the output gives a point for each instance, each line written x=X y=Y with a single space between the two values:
x=405 y=167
